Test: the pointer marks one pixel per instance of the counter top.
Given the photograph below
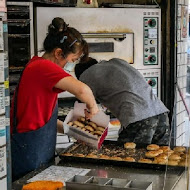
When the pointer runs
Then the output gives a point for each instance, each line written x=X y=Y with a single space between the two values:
x=161 y=180
x=173 y=179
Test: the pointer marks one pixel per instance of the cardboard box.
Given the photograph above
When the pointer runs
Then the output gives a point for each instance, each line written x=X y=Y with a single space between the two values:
x=101 y=119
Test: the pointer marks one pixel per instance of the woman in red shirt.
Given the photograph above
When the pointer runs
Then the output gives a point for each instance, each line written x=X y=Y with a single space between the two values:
x=34 y=107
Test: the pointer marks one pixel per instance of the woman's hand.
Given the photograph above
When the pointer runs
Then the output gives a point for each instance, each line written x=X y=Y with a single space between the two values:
x=91 y=111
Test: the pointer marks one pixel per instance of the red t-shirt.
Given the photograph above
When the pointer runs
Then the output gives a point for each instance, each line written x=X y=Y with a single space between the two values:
x=37 y=95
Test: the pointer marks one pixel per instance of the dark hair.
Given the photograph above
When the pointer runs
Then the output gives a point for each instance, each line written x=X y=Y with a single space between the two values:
x=82 y=66
x=60 y=35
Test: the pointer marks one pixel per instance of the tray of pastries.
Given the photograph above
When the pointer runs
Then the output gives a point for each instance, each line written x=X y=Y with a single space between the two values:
x=128 y=154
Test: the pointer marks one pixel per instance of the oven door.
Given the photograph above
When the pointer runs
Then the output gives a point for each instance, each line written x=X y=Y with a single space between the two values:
x=105 y=46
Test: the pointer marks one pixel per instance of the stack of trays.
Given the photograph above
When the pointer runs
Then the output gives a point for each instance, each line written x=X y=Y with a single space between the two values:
x=95 y=183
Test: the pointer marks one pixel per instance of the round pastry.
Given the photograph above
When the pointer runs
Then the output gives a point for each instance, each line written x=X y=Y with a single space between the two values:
x=184 y=156
x=104 y=157
x=81 y=119
x=115 y=158
x=89 y=128
x=129 y=159
x=160 y=161
x=183 y=163
x=70 y=123
x=92 y=156
x=93 y=125
x=160 y=151
x=172 y=162
x=179 y=149
x=83 y=129
x=174 y=157
x=152 y=154
x=99 y=133
x=143 y=160
x=79 y=155
x=75 y=126
x=100 y=129
x=161 y=156
x=129 y=145
x=78 y=123
x=152 y=147
x=67 y=154
x=165 y=148
x=169 y=152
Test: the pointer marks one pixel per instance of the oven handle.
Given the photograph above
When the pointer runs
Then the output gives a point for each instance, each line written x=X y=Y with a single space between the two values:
x=104 y=35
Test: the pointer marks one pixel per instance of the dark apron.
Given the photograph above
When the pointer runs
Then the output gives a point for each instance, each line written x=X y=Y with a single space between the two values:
x=32 y=149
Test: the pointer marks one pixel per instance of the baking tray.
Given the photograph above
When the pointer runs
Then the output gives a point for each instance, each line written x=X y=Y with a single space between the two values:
x=78 y=148
x=95 y=183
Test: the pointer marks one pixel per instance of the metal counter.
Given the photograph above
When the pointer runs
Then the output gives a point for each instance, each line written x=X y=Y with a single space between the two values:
x=173 y=180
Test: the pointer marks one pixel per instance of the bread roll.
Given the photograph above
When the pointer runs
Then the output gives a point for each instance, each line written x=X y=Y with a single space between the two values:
x=129 y=159
x=161 y=156
x=83 y=129
x=82 y=119
x=183 y=163
x=67 y=154
x=99 y=133
x=92 y=156
x=169 y=152
x=179 y=149
x=93 y=125
x=160 y=161
x=165 y=148
x=115 y=158
x=100 y=129
x=104 y=157
x=152 y=154
x=143 y=160
x=129 y=145
x=89 y=128
x=160 y=151
x=78 y=123
x=70 y=123
x=79 y=155
x=152 y=147
x=172 y=162
x=174 y=157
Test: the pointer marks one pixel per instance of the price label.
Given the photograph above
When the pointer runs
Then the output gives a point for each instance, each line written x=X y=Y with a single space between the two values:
x=3 y=163
x=2 y=99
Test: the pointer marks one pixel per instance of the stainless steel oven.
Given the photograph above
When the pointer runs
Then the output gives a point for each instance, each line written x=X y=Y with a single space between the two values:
x=132 y=34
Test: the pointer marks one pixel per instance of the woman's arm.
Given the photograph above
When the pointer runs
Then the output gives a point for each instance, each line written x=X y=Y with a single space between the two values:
x=81 y=91
x=60 y=126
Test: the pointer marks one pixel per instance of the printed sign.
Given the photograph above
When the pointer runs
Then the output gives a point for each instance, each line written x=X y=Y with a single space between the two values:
x=184 y=21
x=1 y=36
x=2 y=131
x=2 y=99
x=3 y=165
x=1 y=67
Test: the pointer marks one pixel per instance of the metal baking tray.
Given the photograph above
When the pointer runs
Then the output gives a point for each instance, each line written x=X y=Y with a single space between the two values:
x=95 y=183
x=77 y=149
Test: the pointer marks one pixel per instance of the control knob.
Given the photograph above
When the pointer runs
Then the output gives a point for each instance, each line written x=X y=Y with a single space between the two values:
x=152 y=82
x=152 y=22
x=152 y=58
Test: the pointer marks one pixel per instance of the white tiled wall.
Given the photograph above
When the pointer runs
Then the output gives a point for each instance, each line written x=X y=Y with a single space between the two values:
x=182 y=132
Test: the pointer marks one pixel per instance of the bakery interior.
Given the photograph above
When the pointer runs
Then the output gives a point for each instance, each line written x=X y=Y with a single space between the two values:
x=110 y=165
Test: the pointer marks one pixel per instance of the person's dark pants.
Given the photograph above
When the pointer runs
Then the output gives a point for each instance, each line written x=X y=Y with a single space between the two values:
x=153 y=130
